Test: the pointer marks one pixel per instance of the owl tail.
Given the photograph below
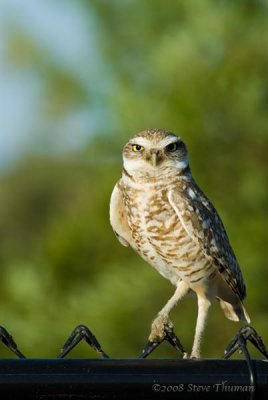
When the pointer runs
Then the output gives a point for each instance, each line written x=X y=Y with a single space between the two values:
x=235 y=312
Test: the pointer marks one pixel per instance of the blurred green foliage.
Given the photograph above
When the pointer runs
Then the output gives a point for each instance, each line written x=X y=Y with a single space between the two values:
x=198 y=68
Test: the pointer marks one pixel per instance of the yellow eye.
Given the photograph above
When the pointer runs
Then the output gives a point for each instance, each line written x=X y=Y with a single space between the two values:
x=137 y=147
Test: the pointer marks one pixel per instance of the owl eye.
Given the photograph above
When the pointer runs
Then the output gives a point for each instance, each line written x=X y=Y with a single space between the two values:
x=137 y=147
x=172 y=147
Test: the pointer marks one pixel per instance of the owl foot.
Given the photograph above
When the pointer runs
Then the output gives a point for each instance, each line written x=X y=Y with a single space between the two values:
x=159 y=326
x=239 y=342
x=162 y=329
x=193 y=356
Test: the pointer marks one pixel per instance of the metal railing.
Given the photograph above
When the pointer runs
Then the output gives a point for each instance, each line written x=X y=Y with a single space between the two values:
x=140 y=378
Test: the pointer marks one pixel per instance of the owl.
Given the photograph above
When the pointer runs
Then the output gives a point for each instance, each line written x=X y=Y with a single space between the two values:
x=158 y=209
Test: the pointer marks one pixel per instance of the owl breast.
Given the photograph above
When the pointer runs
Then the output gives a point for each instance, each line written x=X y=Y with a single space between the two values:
x=159 y=237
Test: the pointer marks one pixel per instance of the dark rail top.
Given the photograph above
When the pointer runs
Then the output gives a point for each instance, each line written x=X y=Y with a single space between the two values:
x=131 y=379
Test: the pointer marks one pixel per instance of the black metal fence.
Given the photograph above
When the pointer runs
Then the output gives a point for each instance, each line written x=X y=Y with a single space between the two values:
x=140 y=378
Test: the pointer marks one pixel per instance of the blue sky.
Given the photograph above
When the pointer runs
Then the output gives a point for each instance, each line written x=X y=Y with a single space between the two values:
x=68 y=38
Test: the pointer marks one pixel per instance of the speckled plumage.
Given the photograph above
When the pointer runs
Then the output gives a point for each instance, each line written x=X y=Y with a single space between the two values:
x=158 y=209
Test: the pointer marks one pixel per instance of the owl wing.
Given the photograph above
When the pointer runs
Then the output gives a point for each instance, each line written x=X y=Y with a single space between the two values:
x=203 y=224
x=118 y=217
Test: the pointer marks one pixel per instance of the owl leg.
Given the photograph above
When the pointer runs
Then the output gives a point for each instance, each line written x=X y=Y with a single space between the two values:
x=162 y=327
x=162 y=319
x=203 y=307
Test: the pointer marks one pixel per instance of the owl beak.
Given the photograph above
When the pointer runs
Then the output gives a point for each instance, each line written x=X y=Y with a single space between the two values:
x=155 y=158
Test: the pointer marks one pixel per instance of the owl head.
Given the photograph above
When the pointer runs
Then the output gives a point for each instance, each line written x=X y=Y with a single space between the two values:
x=153 y=152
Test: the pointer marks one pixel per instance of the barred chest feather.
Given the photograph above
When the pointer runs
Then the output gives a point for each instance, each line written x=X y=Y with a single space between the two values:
x=159 y=237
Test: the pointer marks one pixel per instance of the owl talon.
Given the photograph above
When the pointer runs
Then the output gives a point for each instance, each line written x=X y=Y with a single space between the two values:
x=167 y=333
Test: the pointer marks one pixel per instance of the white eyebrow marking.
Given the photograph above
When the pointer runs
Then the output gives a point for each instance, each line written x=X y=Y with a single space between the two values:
x=168 y=140
x=141 y=141
x=163 y=143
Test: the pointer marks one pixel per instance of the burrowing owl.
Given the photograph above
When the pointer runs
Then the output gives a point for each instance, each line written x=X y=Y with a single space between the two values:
x=158 y=209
